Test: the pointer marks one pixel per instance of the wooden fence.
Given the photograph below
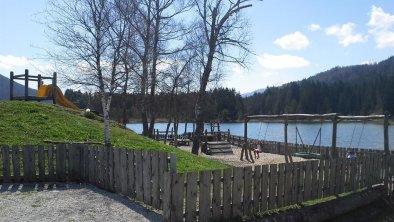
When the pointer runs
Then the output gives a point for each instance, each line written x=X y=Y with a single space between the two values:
x=135 y=173
x=194 y=196
x=235 y=192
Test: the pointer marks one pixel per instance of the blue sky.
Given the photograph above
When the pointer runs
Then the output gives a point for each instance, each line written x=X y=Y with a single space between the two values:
x=292 y=39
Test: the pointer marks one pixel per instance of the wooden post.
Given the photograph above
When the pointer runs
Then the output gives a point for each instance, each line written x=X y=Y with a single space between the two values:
x=228 y=135
x=26 y=84
x=286 y=144
x=54 y=87
x=386 y=133
x=39 y=81
x=11 y=85
x=334 y=137
x=244 y=147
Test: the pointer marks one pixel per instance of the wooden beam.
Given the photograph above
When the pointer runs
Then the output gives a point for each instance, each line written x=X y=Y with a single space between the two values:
x=333 y=153
x=11 y=85
x=286 y=144
x=54 y=87
x=284 y=117
x=26 y=84
x=386 y=134
x=371 y=117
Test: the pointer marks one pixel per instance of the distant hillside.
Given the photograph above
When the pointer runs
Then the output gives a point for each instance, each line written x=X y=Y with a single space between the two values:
x=356 y=73
x=351 y=90
x=19 y=89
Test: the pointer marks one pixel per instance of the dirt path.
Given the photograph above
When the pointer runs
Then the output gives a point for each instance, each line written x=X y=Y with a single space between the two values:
x=67 y=202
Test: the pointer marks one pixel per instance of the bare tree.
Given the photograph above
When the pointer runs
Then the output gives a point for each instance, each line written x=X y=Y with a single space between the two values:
x=220 y=29
x=90 y=35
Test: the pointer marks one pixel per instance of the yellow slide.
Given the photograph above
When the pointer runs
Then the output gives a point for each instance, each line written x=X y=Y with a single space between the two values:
x=46 y=90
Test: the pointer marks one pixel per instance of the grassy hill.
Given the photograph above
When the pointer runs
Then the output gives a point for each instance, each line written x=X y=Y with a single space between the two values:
x=32 y=123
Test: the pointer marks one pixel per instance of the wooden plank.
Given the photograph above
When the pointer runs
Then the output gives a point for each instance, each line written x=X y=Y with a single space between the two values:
x=147 y=175
x=177 y=197
x=16 y=163
x=204 y=196
x=256 y=189
x=247 y=195
x=227 y=182
x=315 y=184
x=86 y=162
x=51 y=165
x=110 y=168
x=281 y=185
x=138 y=175
x=308 y=181
x=301 y=182
x=167 y=194
x=29 y=170
x=332 y=176
x=288 y=184
x=237 y=191
x=342 y=172
x=216 y=195
x=191 y=197
x=117 y=169
x=100 y=167
x=92 y=165
x=41 y=163
x=264 y=188
x=60 y=162
x=123 y=172
x=6 y=163
x=273 y=201
x=155 y=180
x=326 y=189
x=104 y=154
x=295 y=183
x=131 y=174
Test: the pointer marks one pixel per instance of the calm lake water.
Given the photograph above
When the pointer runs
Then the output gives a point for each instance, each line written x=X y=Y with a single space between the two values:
x=354 y=135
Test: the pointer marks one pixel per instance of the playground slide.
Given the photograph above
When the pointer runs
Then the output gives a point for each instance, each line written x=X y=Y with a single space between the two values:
x=46 y=90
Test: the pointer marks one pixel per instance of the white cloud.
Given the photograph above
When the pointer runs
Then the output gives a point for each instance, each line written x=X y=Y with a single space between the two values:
x=345 y=34
x=19 y=63
x=382 y=27
x=314 y=27
x=275 y=62
x=293 y=41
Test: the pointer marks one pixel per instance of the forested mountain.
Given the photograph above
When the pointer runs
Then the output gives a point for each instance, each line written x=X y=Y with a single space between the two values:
x=356 y=73
x=19 y=89
x=361 y=89
x=222 y=104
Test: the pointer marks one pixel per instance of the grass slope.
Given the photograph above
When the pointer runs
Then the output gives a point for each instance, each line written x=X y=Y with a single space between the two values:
x=32 y=123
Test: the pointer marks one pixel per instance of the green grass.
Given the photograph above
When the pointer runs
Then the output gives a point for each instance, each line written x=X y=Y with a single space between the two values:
x=32 y=122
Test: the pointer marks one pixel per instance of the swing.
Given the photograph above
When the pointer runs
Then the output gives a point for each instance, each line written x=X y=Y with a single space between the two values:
x=351 y=154
x=309 y=154
x=260 y=144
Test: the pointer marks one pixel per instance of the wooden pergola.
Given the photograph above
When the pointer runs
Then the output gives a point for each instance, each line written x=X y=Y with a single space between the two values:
x=333 y=117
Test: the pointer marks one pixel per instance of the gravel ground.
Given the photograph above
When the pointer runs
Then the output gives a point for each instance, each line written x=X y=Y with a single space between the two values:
x=234 y=159
x=67 y=202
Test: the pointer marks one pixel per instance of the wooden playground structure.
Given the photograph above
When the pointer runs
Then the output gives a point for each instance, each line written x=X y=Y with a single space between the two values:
x=333 y=117
x=27 y=78
x=44 y=92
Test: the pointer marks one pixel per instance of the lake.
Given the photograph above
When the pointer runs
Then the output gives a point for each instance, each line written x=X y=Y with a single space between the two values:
x=349 y=134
